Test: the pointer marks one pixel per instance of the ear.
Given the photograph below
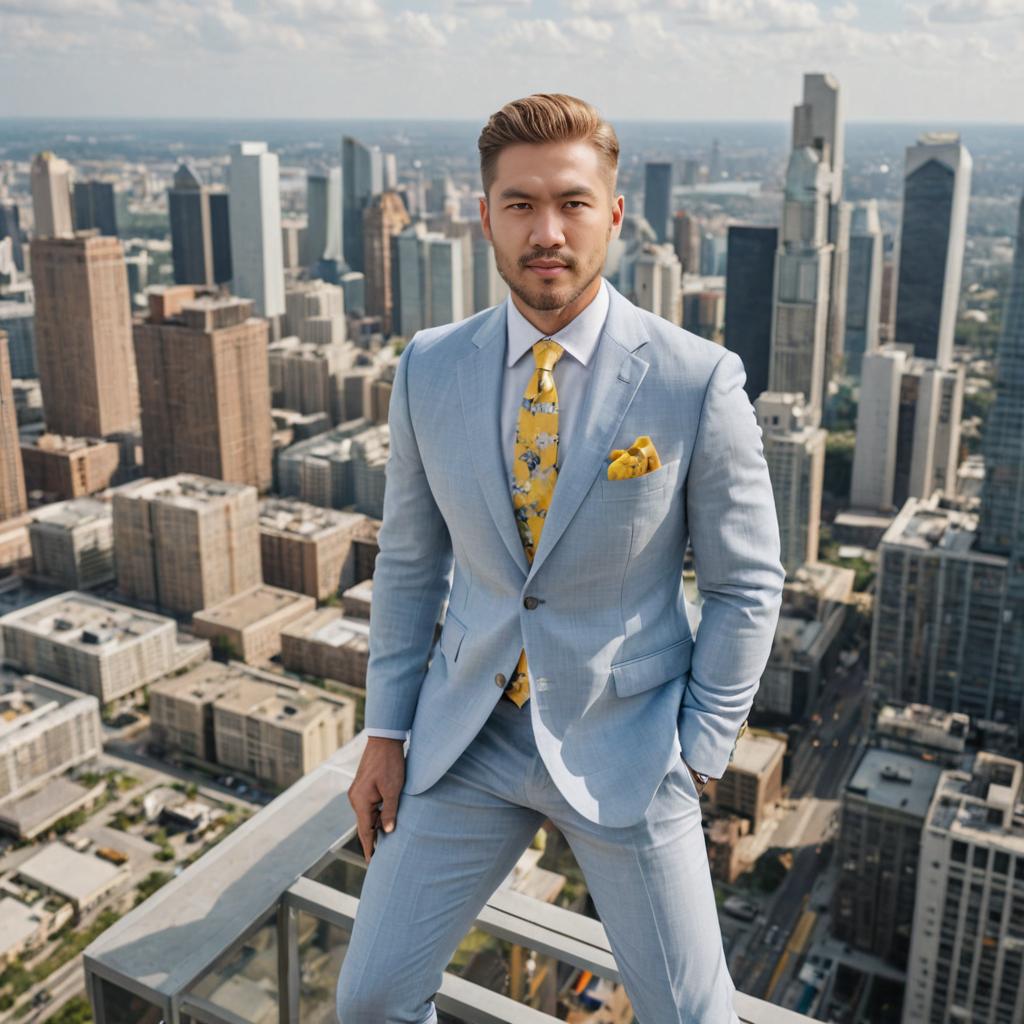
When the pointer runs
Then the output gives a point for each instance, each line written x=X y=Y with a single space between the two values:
x=485 y=220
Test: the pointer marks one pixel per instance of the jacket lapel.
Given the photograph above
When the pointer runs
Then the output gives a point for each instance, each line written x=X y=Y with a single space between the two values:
x=480 y=385
x=615 y=376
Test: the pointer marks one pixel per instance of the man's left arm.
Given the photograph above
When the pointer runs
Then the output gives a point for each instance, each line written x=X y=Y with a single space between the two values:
x=734 y=532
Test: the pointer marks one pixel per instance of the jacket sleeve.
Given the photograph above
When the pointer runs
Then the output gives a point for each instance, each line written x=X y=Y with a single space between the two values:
x=412 y=574
x=734 y=532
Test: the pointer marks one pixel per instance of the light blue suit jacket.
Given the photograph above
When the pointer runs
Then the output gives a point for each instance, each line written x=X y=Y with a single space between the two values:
x=619 y=687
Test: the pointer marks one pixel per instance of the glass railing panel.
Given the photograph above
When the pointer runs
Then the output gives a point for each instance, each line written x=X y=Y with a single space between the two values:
x=244 y=980
x=119 y=1006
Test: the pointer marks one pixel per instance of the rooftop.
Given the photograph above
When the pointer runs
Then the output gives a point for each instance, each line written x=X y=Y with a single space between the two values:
x=67 y=515
x=185 y=490
x=27 y=701
x=297 y=518
x=251 y=606
x=899 y=782
x=63 y=444
x=30 y=812
x=84 y=621
x=756 y=753
x=924 y=525
x=183 y=942
x=282 y=705
x=330 y=626
x=20 y=923
x=76 y=876
x=985 y=805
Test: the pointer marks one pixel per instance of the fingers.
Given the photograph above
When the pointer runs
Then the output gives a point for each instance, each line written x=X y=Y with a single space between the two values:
x=388 y=811
x=366 y=823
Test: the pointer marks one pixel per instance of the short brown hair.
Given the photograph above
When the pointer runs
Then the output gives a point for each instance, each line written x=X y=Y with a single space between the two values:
x=545 y=117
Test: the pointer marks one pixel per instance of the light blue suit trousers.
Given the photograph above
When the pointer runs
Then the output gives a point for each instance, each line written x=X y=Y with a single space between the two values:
x=456 y=842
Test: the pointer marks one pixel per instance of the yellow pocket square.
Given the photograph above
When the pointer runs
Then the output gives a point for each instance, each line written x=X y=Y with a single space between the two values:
x=639 y=458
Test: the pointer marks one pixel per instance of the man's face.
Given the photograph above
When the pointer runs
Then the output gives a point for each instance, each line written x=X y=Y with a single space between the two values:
x=550 y=214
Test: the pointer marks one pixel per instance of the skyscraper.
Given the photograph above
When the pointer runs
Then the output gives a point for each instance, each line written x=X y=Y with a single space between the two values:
x=657 y=282
x=908 y=429
x=220 y=229
x=818 y=124
x=12 y=476
x=205 y=388
x=362 y=176
x=802 y=281
x=658 y=198
x=191 y=229
x=686 y=239
x=51 y=196
x=1002 y=502
x=794 y=448
x=429 y=279
x=94 y=207
x=255 y=221
x=10 y=227
x=749 y=287
x=384 y=217
x=84 y=336
x=936 y=193
x=966 y=950
x=324 y=222
x=864 y=285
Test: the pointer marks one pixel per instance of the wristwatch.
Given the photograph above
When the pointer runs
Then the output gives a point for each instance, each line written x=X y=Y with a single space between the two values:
x=700 y=776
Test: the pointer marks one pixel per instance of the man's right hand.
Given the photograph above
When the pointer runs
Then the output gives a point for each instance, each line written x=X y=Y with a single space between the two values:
x=375 y=789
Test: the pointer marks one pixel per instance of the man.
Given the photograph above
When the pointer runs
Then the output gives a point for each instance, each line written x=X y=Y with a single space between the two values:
x=550 y=457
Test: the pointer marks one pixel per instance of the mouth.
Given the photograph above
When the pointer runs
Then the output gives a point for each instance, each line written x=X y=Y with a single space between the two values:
x=547 y=268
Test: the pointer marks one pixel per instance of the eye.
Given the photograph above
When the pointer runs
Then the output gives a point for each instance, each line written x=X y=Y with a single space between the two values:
x=578 y=202
x=514 y=205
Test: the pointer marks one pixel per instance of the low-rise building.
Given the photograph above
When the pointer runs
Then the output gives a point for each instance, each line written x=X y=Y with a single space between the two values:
x=752 y=783
x=248 y=625
x=256 y=723
x=73 y=543
x=80 y=878
x=307 y=548
x=328 y=645
x=69 y=467
x=355 y=601
x=92 y=645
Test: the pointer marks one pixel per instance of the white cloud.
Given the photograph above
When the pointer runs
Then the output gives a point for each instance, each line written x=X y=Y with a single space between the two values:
x=846 y=12
x=975 y=10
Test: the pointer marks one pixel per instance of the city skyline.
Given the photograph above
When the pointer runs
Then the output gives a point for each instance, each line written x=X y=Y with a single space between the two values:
x=632 y=58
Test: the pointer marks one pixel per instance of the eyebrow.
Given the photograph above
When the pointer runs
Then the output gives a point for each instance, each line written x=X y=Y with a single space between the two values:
x=576 y=190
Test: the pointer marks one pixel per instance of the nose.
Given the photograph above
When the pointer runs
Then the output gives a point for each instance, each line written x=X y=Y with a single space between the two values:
x=546 y=230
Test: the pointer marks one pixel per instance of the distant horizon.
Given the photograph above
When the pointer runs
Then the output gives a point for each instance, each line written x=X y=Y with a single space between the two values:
x=249 y=119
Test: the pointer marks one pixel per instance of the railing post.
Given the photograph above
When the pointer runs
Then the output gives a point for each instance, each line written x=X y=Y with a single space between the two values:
x=287 y=964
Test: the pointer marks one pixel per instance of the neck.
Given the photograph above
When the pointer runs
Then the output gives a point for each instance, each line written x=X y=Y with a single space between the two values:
x=550 y=321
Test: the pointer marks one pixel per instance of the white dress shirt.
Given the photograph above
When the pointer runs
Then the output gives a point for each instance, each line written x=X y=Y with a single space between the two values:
x=579 y=338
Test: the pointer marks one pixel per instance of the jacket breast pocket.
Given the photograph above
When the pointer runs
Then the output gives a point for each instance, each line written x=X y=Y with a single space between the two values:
x=637 y=487
x=452 y=633
x=650 y=670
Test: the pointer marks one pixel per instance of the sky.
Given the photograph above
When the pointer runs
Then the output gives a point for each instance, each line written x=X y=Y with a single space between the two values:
x=677 y=60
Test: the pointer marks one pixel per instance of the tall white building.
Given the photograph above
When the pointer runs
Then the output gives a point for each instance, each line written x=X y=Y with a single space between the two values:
x=802 y=282
x=967 y=944
x=818 y=124
x=51 y=196
x=863 y=285
x=658 y=282
x=255 y=219
x=324 y=216
x=794 y=448
x=936 y=194
x=908 y=429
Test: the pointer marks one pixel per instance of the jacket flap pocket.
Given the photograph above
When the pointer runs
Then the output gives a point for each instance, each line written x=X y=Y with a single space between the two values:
x=650 y=670
x=452 y=633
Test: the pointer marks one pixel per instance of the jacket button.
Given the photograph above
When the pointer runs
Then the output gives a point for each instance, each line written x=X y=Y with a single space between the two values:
x=500 y=679
x=530 y=602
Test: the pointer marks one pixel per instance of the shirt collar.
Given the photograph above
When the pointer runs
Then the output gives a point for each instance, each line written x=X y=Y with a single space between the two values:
x=578 y=337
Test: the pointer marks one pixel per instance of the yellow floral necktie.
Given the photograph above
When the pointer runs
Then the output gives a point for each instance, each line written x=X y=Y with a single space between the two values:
x=534 y=472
